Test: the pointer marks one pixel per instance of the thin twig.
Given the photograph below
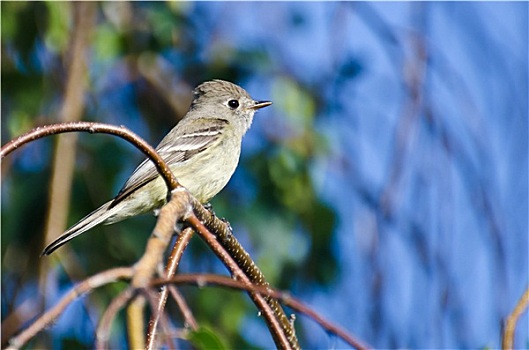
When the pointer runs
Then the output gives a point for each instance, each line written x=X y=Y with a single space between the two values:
x=189 y=319
x=216 y=280
x=85 y=286
x=25 y=312
x=163 y=320
x=170 y=270
x=512 y=320
x=118 y=303
x=177 y=208
x=105 y=323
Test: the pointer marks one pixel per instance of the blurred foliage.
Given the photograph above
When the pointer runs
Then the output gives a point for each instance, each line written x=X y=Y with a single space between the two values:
x=204 y=338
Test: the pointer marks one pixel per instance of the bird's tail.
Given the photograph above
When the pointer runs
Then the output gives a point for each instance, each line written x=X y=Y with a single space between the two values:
x=93 y=219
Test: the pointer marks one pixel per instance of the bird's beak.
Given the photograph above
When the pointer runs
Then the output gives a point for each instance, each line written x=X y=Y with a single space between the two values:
x=261 y=104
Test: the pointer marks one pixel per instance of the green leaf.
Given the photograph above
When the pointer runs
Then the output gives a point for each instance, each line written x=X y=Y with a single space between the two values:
x=205 y=338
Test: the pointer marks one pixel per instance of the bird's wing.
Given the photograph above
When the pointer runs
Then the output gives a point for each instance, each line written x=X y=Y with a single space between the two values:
x=178 y=146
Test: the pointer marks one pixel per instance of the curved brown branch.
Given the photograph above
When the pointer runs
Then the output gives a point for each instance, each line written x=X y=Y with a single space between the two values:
x=512 y=320
x=85 y=286
x=121 y=131
x=216 y=280
x=103 y=329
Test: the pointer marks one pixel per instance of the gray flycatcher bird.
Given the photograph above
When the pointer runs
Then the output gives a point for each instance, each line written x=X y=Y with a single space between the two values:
x=202 y=151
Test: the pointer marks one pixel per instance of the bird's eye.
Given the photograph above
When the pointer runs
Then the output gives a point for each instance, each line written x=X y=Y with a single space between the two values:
x=233 y=104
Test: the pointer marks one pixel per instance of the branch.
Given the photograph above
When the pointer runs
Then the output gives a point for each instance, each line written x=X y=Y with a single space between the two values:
x=202 y=280
x=284 y=337
x=512 y=320
x=135 y=323
x=121 y=131
x=85 y=286
x=118 y=303
x=243 y=260
x=162 y=317
x=170 y=270
x=104 y=327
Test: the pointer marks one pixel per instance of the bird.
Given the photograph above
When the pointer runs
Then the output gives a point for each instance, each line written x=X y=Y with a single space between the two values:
x=202 y=151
